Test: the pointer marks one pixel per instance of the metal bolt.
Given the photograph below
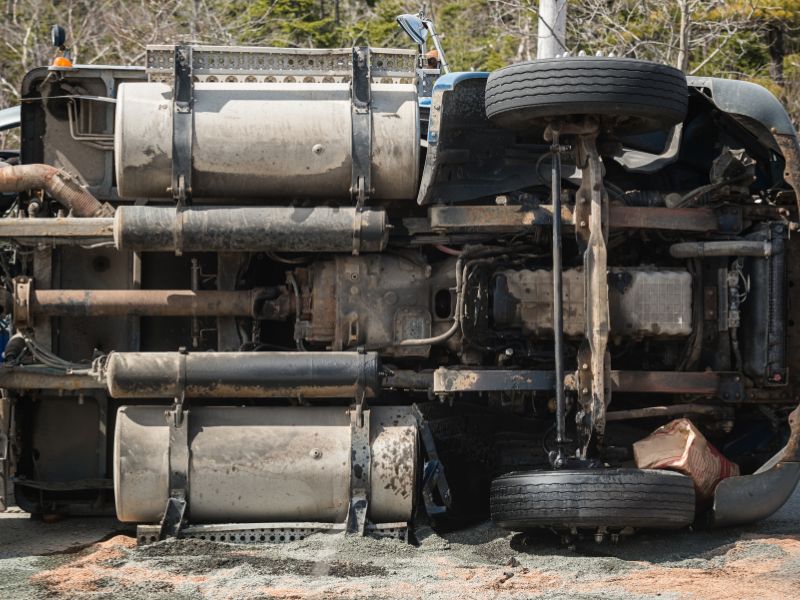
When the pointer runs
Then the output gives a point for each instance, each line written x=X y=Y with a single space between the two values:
x=584 y=366
x=583 y=223
x=585 y=391
x=316 y=453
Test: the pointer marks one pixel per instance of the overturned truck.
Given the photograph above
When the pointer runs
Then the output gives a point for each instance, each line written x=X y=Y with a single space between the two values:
x=253 y=293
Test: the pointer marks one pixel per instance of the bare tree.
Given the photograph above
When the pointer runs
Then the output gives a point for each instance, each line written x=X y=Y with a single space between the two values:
x=689 y=34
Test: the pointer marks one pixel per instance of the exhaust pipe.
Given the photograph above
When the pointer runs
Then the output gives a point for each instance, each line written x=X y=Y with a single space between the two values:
x=27 y=304
x=59 y=184
x=250 y=229
x=216 y=229
x=242 y=374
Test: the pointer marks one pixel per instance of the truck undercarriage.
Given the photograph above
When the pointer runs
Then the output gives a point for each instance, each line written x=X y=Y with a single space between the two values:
x=254 y=293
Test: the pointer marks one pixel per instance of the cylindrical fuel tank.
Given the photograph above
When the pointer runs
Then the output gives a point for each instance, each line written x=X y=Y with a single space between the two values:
x=266 y=140
x=264 y=464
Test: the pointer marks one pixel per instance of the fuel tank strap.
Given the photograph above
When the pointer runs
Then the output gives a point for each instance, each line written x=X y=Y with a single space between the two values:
x=361 y=126
x=182 y=126
x=178 y=454
x=360 y=470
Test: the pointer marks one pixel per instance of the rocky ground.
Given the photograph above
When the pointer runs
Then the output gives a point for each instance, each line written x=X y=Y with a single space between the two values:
x=94 y=558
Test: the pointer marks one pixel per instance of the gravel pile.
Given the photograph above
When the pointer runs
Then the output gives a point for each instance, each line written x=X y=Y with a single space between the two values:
x=480 y=562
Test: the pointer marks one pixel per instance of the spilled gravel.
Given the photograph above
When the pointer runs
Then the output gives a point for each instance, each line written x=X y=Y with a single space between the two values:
x=90 y=559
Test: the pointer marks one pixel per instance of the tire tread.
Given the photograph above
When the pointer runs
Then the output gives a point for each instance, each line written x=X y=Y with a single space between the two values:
x=527 y=92
x=603 y=497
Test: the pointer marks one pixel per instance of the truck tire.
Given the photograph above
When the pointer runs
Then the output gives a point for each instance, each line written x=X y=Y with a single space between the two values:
x=614 y=498
x=640 y=96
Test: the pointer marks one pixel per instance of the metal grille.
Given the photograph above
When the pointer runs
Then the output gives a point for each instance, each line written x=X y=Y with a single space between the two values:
x=651 y=302
x=242 y=64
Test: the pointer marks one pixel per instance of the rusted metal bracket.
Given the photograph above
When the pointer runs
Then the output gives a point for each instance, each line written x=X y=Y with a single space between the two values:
x=595 y=261
x=433 y=478
x=182 y=126
x=583 y=386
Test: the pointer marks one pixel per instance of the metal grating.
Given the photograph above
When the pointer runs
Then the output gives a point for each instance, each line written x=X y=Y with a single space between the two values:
x=268 y=533
x=243 y=64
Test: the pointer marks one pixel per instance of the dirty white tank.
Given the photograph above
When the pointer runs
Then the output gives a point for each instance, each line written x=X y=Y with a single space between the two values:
x=266 y=140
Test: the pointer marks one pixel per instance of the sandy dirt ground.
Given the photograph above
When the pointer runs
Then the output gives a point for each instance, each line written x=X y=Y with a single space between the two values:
x=97 y=558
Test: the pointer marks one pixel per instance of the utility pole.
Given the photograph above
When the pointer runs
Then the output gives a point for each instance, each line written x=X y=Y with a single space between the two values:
x=552 y=28
x=682 y=61
x=193 y=31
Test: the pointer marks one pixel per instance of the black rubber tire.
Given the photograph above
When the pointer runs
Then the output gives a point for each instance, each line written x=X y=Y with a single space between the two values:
x=641 y=96
x=614 y=498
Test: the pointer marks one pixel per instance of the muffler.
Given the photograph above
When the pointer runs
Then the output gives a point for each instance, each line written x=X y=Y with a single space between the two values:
x=215 y=229
x=242 y=374
x=250 y=229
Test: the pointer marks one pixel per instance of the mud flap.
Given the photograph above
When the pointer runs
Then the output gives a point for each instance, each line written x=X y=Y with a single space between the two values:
x=750 y=498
